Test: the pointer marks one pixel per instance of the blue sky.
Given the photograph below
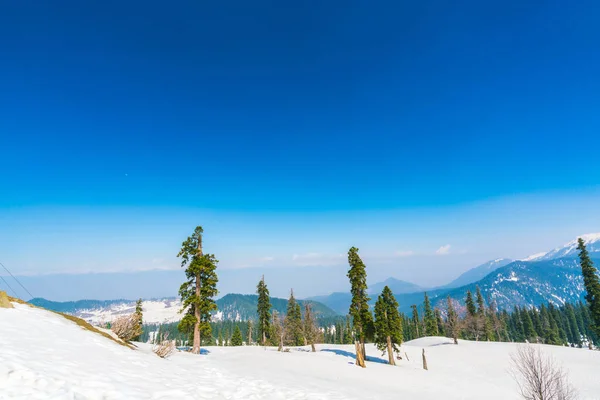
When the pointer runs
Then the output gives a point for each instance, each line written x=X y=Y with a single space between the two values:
x=292 y=132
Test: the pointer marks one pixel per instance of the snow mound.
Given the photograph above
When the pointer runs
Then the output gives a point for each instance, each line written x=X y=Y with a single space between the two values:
x=429 y=341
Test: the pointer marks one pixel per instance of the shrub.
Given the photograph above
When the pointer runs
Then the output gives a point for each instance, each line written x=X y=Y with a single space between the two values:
x=127 y=327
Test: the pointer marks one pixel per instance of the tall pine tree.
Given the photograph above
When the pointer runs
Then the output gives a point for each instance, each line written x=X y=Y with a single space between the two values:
x=311 y=330
x=359 y=308
x=431 y=328
x=263 y=309
x=139 y=313
x=236 y=337
x=453 y=321
x=293 y=322
x=198 y=290
x=388 y=325
x=592 y=286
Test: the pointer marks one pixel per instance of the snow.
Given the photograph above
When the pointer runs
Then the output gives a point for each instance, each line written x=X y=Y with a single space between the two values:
x=44 y=356
x=155 y=312
x=568 y=249
x=534 y=256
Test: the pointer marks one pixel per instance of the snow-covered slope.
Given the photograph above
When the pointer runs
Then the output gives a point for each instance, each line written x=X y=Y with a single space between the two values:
x=46 y=356
x=592 y=243
x=479 y=272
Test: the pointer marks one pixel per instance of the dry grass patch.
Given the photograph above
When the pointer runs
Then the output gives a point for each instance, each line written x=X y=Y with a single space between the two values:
x=4 y=300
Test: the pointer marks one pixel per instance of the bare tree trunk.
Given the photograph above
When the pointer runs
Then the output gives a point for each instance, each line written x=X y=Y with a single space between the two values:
x=264 y=338
x=424 y=361
x=364 y=349
x=390 y=351
x=280 y=343
x=360 y=359
x=196 y=345
x=455 y=339
x=312 y=347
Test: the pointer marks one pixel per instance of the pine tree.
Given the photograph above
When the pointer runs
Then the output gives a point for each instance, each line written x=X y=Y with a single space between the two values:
x=264 y=311
x=198 y=290
x=359 y=308
x=388 y=325
x=236 y=338
x=453 y=321
x=139 y=313
x=430 y=322
x=482 y=325
x=293 y=322
x=592 y=286
x=440 y=322
x=220 y=338
x=310 y=327
x=471 y=317
x=528 y=331
x=415 y=321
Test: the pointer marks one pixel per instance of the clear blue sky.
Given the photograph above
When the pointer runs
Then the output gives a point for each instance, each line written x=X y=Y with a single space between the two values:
x=268 y=120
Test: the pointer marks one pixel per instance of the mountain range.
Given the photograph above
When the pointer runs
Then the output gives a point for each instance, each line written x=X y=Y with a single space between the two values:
x=234 y=307
x=553 y=276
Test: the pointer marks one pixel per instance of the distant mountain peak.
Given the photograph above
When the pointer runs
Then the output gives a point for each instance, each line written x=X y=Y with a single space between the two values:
x=396 y=285
x=592 y=241
x=479 y=272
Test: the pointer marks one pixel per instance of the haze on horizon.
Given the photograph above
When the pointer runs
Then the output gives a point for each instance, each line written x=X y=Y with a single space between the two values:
x=433 y=141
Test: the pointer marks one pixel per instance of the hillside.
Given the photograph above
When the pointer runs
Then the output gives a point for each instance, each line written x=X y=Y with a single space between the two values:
x=479 y=272
x=64 y=361
x=396 y=285
x=236 y=307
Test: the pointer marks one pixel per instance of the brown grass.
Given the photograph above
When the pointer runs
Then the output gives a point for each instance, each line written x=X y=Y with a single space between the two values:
x=83 y=324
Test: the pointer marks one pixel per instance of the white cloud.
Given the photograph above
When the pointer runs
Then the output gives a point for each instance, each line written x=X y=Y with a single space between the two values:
x=267 y=259
x=443 y=250
x=405 y=253
x=317 y=259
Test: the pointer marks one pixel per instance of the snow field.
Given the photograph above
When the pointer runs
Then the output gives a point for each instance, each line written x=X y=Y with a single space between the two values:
x=44 y=356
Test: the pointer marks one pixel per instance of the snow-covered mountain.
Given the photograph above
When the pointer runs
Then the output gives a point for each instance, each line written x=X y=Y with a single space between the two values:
x=592 y=243
x=231 y=307
x=479 y=272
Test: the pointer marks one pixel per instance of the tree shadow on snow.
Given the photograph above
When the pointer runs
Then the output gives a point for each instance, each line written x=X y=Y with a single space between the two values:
x=351 y=355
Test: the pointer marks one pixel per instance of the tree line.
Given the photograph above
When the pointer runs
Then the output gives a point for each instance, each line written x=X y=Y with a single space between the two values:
x=569 y=324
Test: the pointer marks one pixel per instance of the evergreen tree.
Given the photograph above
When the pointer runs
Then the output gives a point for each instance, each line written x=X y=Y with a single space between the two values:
x=359 y=308
x=264 y=311
x=388 y=326
x=139 y=313
x=575 y=333
x=236 y=338
x=293 y=322
x=453 y=321
x=528 y=331
x=429 y=318
x=198 y=290
x=249 y=331
x=220 y=339
x=481 y=322
x=592 y=286
x=415 y=322
x=471 y=318
x=310 y=327
x=440 y=322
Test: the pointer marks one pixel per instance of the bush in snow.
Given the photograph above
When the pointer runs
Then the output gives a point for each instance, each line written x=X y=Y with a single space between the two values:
x=165 y=348
x=127 y=327
x=539 y=377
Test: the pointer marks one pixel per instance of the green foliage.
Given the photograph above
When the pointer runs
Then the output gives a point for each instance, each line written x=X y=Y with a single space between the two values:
x=387 y=321
x=200 y=287
x=140 y=314
x=359 y=307
x=416 y=323
x=592 y=286
x=471 y=310
x=431 y=328
x=236 y=338
x=293 y=323
x=263 y=310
